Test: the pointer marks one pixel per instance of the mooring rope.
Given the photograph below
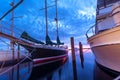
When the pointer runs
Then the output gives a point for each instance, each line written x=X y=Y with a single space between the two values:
x=3 y=63
x=4 y=42
x=13 y=66
x=16 y=31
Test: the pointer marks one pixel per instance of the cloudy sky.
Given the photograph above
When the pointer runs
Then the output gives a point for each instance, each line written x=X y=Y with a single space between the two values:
x=75 y=17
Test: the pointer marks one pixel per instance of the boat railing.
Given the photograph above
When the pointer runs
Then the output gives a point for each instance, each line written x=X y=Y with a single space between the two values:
x=112 y=13
x=5 y=28
x=91 y=31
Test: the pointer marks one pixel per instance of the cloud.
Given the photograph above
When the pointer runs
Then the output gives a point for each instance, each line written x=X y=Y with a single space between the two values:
x=75 y=17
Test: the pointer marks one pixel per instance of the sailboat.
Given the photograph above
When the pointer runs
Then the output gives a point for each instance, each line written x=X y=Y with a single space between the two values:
x=45 y=52
x=105 y=40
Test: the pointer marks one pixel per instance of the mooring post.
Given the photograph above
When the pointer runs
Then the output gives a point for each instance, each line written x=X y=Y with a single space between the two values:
x=18 y=72
x=18 y=52
x=81 y=54
x=12 y=75
x=73 y=59
x=29 y=66
x=13 y=52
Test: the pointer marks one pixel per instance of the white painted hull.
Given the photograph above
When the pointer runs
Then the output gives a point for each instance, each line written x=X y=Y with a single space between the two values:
x=106 y=47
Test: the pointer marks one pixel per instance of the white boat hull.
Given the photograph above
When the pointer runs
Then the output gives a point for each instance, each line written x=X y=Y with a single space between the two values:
x=106 y=47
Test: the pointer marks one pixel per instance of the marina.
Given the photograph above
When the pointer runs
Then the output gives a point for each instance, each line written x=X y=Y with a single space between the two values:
x=59 y=40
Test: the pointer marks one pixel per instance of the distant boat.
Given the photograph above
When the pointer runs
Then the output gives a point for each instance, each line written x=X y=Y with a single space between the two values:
x=105 y=41
x=46 y=52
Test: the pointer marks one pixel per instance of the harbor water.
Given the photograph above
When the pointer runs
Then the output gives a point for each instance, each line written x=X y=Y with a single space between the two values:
x=86 y=70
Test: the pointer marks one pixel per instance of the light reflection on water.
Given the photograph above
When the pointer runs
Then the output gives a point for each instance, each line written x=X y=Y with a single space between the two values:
x=58 y=70
x=90 y=71
x=85 y=73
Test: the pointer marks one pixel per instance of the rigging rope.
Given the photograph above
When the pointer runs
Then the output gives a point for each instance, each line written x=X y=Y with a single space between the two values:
x=15 y=65
x=4 y=42
x=17 y=31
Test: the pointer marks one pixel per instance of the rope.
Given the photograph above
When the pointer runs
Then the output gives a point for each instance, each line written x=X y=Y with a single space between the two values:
x=3 y=64
x=4 y=42
x=14 y=26
x=27 y=56
x=13 y=66
x=16 y=30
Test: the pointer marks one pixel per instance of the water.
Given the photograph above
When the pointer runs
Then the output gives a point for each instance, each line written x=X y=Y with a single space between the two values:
x=87 y=70
x=17 y=72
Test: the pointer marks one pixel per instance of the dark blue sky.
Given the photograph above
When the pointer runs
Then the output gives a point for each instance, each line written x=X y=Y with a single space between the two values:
x=75 y=17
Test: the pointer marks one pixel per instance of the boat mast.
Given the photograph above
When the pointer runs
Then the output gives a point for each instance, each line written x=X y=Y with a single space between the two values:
x=46 y=17
x=15 y=6
x=12 y=19
x=11 y=28
x=56 y=19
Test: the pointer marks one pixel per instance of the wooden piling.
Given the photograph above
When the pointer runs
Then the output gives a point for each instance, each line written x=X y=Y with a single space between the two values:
x=29 y=67
x=18 y=57
x=18 y=72
x=81 y=54
x=73 y=59
x=12 y=75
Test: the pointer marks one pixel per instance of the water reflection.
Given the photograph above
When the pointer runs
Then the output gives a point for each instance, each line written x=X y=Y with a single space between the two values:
x=82 y=60
x=100 y=74
x=46 y=71
x=17 y=72
x=86 y=70
x=60 y=70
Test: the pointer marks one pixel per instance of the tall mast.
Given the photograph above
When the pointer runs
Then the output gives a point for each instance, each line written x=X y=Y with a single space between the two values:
x=56 y=19
x=11 y=29
x=15 y=6
x=12 y=19
x=46 y=17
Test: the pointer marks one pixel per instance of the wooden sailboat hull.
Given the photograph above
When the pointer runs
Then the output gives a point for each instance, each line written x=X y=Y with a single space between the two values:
x=46 y=54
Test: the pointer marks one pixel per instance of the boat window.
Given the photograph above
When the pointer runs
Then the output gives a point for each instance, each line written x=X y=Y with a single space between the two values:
x=105 y=24
x=104 y=3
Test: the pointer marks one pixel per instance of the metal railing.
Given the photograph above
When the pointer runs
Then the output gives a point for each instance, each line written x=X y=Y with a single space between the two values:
x=91 y=31
x=5 y=28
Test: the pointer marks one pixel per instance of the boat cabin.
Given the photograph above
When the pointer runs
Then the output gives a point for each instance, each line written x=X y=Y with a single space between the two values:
x=107 y=15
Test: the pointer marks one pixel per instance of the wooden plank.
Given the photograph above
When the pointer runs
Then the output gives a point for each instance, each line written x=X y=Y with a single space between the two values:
x=16 y=40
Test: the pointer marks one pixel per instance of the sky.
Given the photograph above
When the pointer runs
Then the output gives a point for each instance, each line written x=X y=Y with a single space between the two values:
x=75 y=17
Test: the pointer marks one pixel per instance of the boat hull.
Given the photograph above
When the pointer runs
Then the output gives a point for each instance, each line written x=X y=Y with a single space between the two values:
x=108 y=56
x=45 y=52
x=106 y=47
x=43 y=55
